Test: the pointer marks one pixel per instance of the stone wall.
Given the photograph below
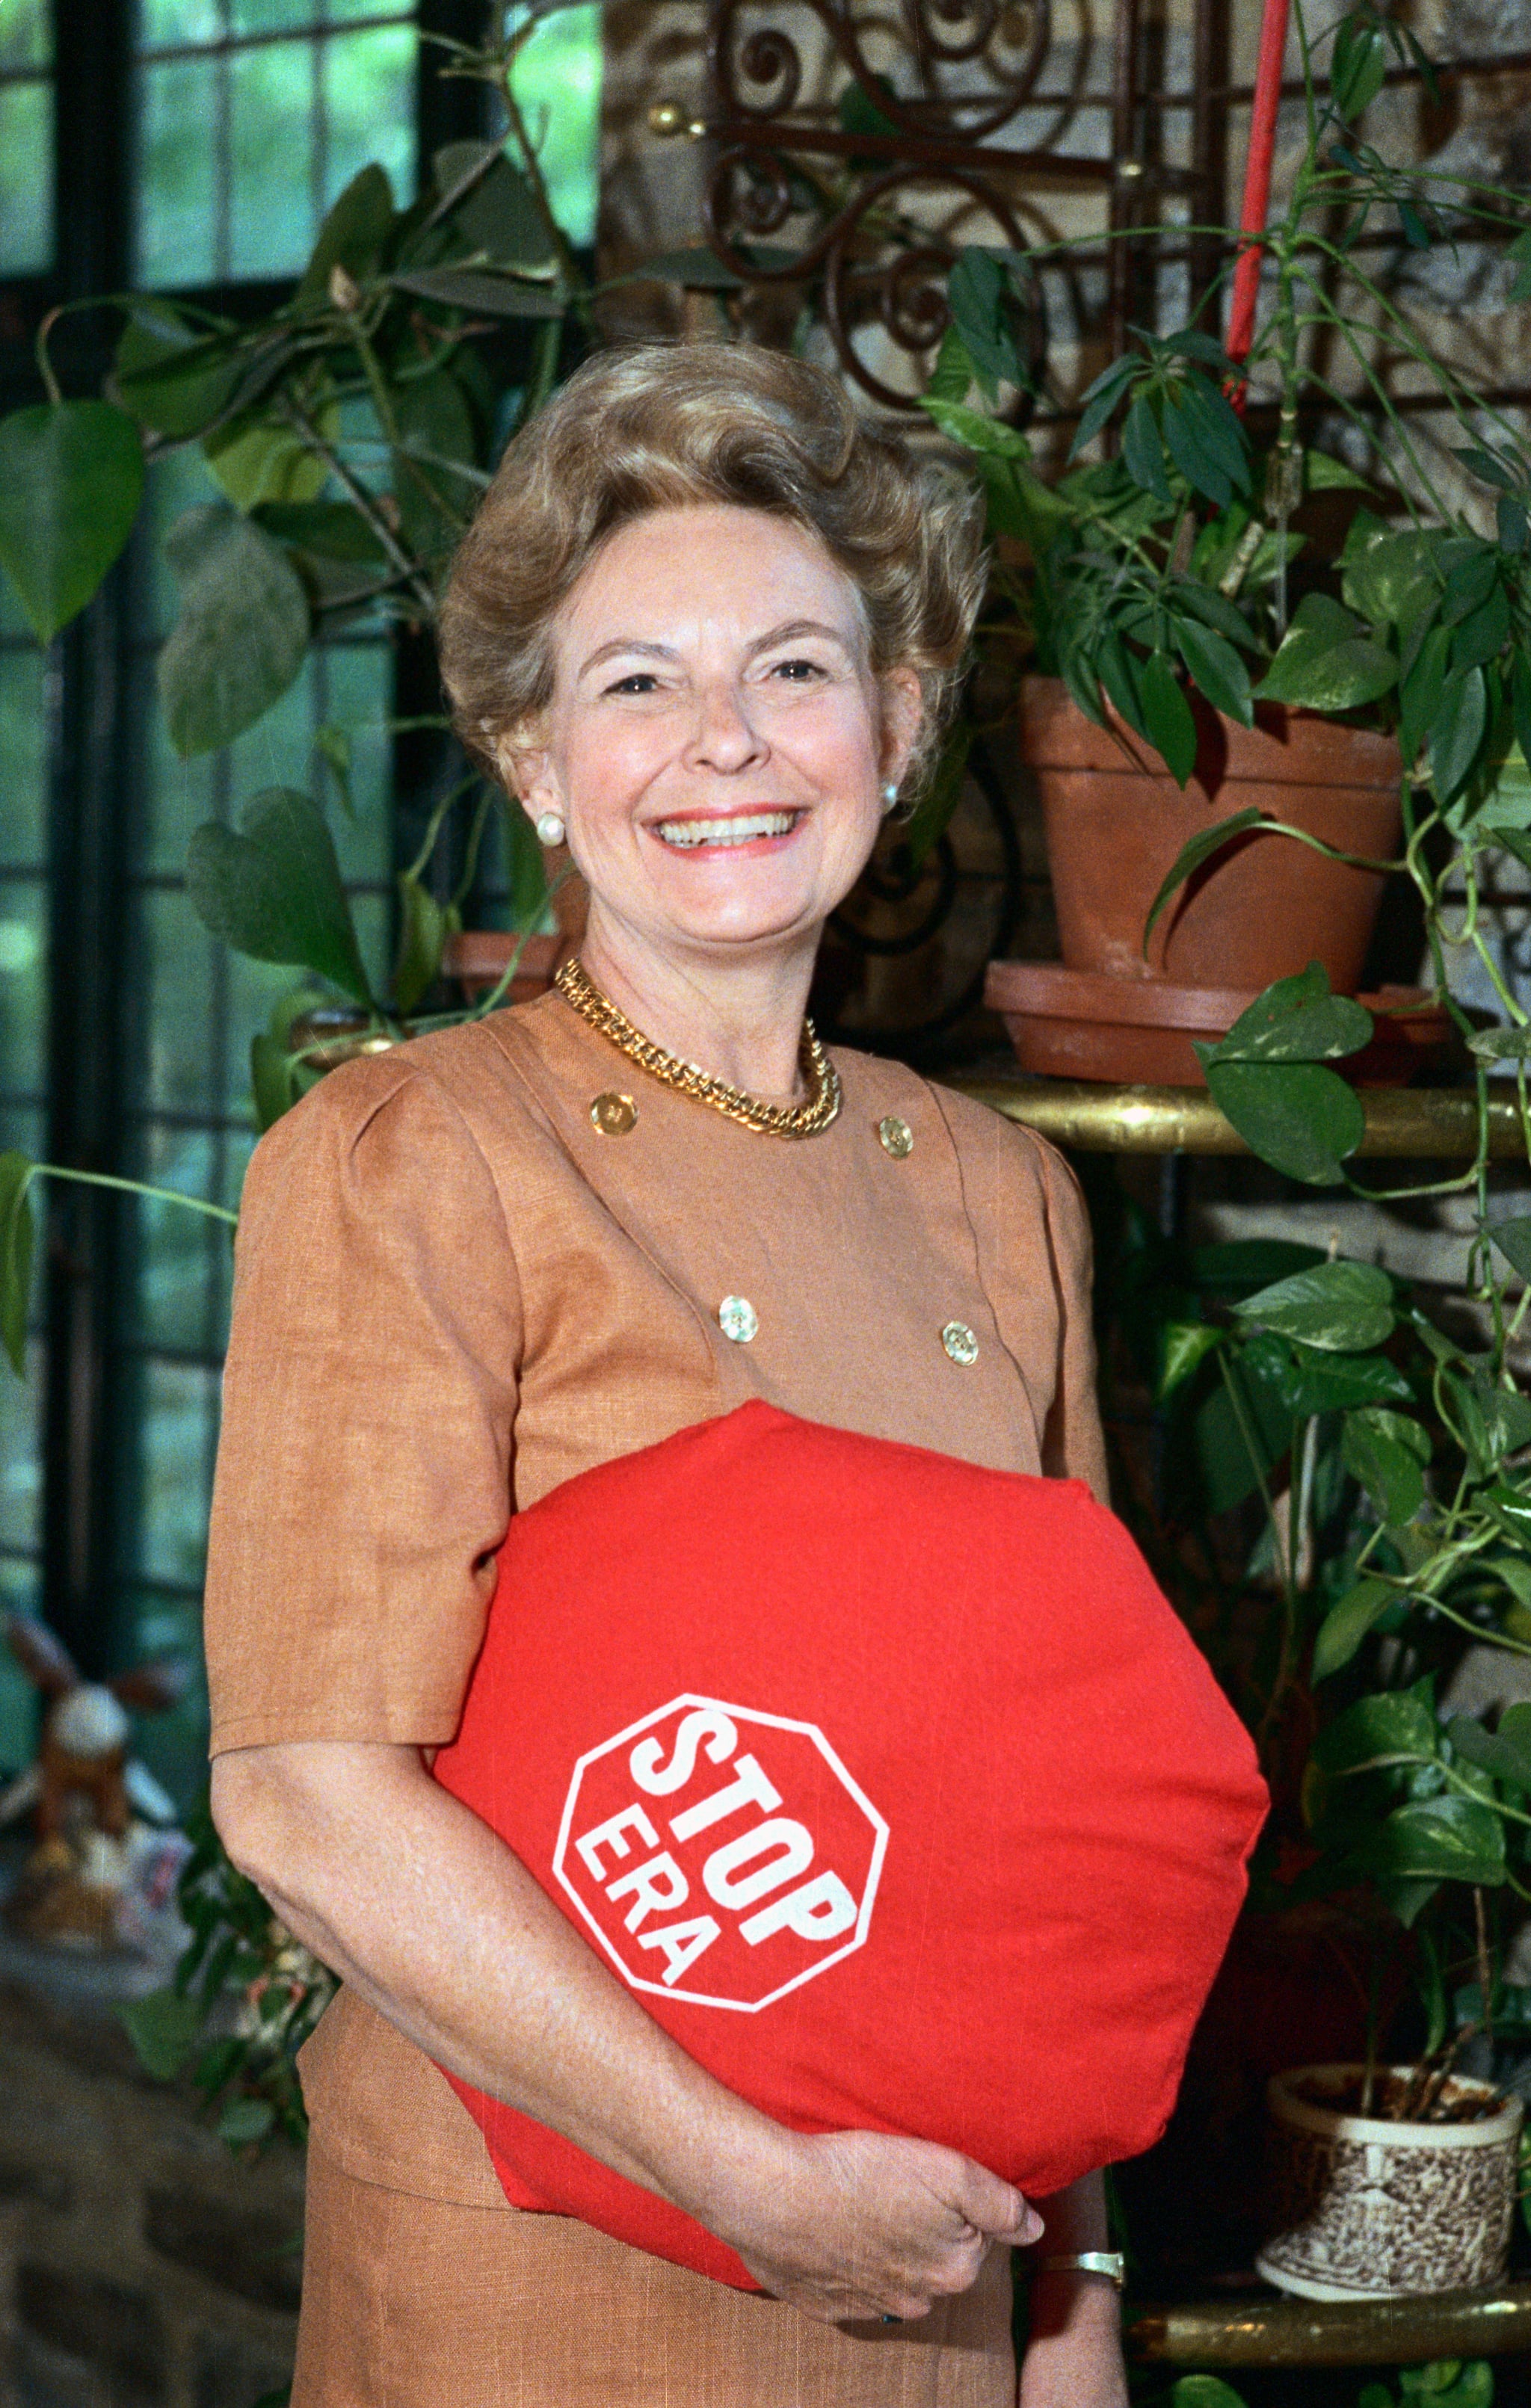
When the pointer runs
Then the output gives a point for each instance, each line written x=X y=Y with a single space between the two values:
x=141 y=2266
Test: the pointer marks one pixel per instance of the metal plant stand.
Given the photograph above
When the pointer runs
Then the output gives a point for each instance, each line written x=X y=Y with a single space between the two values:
x=1418 y=1123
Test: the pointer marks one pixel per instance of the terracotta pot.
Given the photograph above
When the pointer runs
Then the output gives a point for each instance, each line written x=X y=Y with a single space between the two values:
x=1068 y=1023
x=1263 y=908
x=479 y=958
x=1362 y=2208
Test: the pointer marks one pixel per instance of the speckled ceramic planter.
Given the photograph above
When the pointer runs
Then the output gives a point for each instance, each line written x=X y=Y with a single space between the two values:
x=1360 y=2208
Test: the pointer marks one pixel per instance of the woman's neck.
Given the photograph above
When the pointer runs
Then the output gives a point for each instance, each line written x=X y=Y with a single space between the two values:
x=741 y=1022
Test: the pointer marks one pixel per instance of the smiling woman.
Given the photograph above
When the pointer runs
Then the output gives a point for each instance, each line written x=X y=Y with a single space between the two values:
x=704 y=625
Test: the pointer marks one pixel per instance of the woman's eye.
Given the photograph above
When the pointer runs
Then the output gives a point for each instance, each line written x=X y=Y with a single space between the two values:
x=798 y=672
x=640 y=681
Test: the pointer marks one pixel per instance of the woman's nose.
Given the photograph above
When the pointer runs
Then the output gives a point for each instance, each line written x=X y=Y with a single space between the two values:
x=724 y=737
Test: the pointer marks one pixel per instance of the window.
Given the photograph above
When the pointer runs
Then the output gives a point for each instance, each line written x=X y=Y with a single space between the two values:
x=27 y=138
x=250 y=116
x=23 y=1029
x=224 y=129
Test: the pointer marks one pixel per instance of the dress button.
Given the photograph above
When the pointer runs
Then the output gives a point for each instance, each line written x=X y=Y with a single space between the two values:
x=896 y=1136
x=614 y=1115
x=738 y=1319
x=959 y=1343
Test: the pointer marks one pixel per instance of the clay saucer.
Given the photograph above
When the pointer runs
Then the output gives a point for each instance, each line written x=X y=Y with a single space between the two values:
x=1083 y=1025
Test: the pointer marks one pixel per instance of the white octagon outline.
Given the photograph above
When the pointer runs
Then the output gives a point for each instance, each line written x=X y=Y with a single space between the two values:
x=745 y=1714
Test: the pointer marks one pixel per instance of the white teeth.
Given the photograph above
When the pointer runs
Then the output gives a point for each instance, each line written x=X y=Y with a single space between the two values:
x=685 y=833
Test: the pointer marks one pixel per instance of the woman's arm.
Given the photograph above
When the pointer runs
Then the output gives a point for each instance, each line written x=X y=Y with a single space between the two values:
x=1074 y=2354
x=431 y=1918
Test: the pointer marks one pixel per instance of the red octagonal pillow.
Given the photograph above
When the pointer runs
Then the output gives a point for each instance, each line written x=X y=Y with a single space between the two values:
x=892 y=1786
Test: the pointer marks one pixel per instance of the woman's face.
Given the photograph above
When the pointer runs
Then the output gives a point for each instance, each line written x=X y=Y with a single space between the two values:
x=716 y=744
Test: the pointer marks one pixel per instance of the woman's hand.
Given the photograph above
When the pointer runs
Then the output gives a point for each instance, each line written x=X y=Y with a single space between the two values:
x=865 y=2224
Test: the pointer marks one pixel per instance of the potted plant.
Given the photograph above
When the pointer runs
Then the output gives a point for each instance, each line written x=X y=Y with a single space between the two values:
x=1340 y=1501
x=1239 y=647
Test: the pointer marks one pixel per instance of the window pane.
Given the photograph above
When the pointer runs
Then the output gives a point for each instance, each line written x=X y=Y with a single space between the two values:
x=181 y=1258
x=557 y=87
x=242 y=151
x=177 y=217
x=368 y=101
x=26 y=178
x=173 y=1744
x=21 y=1481
x=24 y=36
x=177 y=1432
x=163 y=22
x=23 y=986
x=22 y=724
x=273 y=15
x=175 y=977
x=19 y=1594
x=272 y=127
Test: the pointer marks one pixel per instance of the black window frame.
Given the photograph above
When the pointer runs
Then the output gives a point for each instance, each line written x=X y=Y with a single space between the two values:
x=84 y=1235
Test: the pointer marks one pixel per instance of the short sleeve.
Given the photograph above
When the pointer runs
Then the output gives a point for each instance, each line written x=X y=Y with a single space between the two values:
x=364 y=1470
x=1035 y=1259
x=1073 y=1441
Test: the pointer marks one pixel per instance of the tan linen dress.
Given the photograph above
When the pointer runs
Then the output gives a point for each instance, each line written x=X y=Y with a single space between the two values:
x=452 y=1293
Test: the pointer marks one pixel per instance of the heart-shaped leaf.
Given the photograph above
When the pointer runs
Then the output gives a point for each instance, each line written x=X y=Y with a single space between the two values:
x=175 y=379
x=1298 y=1019
x=1395 y=1728
x=1300 y=1118
x=1342 y=1306
x=1340 y=674
x=1456 y=731
x=1184 y=1347
x=351 y=236
x=1437 y=1839
x=424 y=925
x=1343 y=1629
x=273 y=889
x=16 y=1176
x=1506 y=1752
x=1387 y=1452
x=1514 y=1240
x=241 y=634
x=71 y=479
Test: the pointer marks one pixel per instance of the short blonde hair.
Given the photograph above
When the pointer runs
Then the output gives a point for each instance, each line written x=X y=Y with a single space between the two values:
x=656 y=426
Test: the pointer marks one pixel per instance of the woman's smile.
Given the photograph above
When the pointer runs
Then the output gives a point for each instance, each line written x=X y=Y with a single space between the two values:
x=759 y=831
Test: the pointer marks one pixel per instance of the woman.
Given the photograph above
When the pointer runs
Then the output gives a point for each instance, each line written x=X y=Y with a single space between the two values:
x=706 y=629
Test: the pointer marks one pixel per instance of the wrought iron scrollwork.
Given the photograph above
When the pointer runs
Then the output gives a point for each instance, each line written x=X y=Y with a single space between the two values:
x=866 y=259
x=757 y=71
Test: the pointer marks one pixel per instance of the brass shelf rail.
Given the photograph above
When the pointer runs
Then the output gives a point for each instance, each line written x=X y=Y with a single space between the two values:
x=1265 y=2331
x=1423 y=1123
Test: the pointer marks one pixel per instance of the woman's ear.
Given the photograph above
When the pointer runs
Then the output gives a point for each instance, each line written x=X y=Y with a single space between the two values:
x=527 y=776
x=903 y=710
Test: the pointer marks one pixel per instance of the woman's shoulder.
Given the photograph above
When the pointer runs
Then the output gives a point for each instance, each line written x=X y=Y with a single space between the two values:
x=430 y=1110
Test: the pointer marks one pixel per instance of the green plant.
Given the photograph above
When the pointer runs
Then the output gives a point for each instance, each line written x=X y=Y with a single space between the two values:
x=1448 y=2382
x=1193 y=561
x=245 y=1998
x=1342 y=1502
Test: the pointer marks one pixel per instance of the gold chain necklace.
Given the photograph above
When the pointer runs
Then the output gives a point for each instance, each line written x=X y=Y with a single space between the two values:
x=772 y=1120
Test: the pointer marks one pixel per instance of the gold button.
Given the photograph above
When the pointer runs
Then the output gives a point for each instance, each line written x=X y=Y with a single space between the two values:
x=896 y=1136
x=614 y=1115
x=738 y=1319
x=959 y=1343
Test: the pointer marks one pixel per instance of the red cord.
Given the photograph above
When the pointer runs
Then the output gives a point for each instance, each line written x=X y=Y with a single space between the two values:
x=1268 y=101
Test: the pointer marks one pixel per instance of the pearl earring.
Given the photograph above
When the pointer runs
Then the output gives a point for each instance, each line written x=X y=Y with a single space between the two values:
x=549 y=828
x=891 y=796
